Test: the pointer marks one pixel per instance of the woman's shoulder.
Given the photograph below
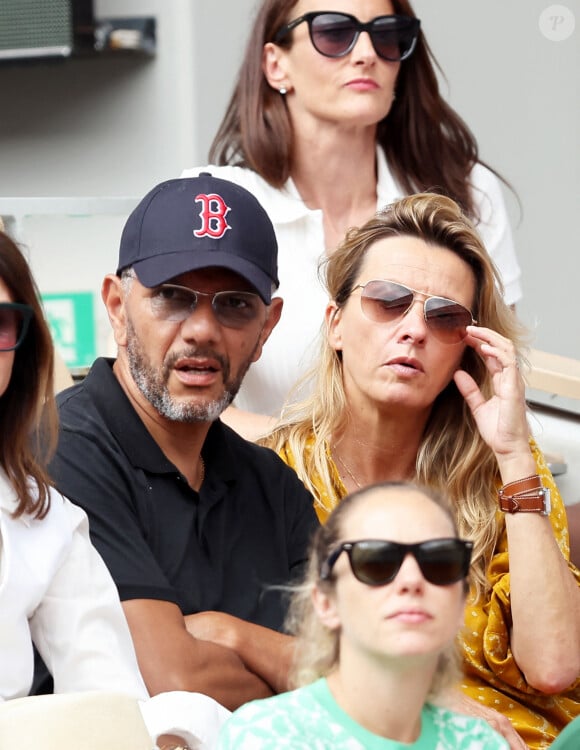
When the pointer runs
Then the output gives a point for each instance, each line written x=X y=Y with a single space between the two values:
x=267 y=720
x=466 y=731
x=487 y=191
x=43 y=544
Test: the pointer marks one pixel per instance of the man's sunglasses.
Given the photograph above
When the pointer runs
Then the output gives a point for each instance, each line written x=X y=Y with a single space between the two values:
x=377 y=562
x=232 y=309
x=385 y=301
x=14 y=321
x=335 y=34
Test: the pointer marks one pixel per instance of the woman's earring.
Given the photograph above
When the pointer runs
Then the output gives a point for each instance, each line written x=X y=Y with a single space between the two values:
x=282 y=90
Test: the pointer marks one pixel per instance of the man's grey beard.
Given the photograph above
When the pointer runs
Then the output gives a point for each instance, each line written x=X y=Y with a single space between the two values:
x=153 y=383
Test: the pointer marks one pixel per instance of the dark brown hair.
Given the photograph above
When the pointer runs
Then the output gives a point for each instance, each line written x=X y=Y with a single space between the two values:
x=28 y=416
x=427 y=145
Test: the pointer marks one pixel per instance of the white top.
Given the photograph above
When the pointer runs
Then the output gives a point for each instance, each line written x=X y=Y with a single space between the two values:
x=291 y=348
x=55 y=591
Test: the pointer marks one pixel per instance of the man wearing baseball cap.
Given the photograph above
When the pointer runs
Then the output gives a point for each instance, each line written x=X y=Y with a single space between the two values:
x=198 y=527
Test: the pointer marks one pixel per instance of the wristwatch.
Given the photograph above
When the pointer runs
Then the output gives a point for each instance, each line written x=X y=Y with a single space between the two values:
x=525 y=496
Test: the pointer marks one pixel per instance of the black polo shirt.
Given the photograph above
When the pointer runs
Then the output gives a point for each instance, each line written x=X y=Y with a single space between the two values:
x=222 y=549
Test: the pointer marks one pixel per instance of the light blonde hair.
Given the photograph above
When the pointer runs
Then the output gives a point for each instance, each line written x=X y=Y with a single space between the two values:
x=317 y=650
x=453 y=457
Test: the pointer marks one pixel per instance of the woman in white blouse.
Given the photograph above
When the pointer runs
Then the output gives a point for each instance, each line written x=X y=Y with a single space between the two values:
x=55 y=590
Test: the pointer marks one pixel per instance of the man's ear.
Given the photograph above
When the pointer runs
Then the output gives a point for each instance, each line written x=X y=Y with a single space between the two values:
x=114 y=299
x=273 y=316
x=274 y=67
x=333 y=318
x=325 y=607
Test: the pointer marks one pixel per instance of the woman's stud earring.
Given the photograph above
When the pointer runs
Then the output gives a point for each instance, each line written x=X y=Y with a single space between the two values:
x=283 y=90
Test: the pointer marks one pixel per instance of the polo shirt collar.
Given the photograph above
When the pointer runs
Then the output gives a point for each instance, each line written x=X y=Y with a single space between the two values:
x=286 y=205
x=130 y=432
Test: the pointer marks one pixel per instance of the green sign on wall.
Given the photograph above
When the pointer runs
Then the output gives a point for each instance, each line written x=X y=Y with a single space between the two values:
x=71 y=319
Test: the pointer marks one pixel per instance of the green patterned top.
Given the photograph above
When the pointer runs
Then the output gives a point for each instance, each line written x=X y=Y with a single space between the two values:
x=310 y=719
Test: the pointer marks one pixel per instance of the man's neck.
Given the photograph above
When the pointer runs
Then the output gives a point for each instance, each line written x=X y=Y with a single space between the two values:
x=180 y=442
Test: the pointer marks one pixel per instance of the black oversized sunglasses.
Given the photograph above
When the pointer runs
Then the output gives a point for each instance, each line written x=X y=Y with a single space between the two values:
x=377 y=562
x=14 y=321
x=335 y=34
x=384 y=301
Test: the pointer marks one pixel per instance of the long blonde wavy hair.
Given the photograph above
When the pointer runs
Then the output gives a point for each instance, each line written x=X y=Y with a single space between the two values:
x=452 y=457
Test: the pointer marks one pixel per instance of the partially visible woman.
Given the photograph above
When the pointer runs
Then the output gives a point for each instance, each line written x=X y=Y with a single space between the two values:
x=376 y=621
x=419 y=378
x=55 y=590
x=337 y=112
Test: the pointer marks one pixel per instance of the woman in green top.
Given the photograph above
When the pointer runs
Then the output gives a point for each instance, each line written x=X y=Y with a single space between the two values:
x=376 y=620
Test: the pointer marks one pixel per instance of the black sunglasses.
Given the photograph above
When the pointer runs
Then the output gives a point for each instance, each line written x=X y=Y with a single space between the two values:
x=384 y=301
x=377 y=562
x=14 y=321
x=335 y=34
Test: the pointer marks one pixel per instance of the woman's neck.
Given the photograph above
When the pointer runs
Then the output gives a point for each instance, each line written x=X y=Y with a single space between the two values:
x=367 y=451
x=335 y=171
x=385 y=701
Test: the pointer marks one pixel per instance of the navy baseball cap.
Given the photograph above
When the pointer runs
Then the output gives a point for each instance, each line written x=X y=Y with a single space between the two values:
x=196 y=222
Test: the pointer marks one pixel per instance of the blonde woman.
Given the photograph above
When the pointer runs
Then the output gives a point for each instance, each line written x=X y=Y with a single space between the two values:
x=419 y=378
x=376 y=621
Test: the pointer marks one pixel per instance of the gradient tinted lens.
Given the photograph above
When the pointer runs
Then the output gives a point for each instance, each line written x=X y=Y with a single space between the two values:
x=394 y=37
x=232 y=309
x=448 y=319
x=386 y=301
x=14 y=321
x=335 y=34
x=442 y=561
x=236 y=309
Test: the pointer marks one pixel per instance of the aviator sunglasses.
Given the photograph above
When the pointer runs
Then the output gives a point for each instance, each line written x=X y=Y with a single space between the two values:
x=14 y=321
x=377 y=562
x=385 y=301
x=176 y=303
x=335 y=34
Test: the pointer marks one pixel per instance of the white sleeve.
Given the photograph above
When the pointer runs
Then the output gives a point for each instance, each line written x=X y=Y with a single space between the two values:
x=195 y=717
x=495 y=230
x=79 y=628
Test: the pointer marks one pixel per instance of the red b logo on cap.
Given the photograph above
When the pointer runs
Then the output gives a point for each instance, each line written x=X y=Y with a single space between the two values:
x=213 y=216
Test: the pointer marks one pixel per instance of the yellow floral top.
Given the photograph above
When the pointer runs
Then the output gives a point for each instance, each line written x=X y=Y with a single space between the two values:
x=491 y=673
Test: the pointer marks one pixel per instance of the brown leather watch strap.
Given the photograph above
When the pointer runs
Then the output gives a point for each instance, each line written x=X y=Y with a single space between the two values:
x=535 y=503
x=525 y=496
x=533 y=482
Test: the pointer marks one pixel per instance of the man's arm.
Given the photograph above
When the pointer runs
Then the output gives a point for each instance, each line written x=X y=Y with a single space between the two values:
x=170 y=658
x=265 y=652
